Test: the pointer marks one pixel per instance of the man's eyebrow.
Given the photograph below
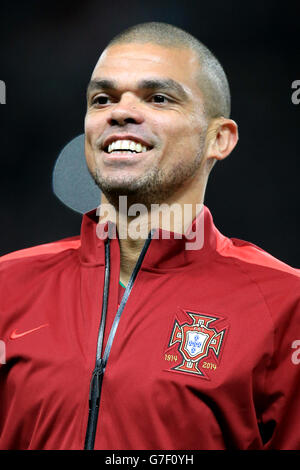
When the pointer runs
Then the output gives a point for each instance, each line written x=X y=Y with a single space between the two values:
x=167 y=84
x=163 y=84
x=101 y=84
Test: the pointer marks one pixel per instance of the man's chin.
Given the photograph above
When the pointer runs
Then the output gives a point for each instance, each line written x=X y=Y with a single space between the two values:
x=115 y=186
x=112 y=189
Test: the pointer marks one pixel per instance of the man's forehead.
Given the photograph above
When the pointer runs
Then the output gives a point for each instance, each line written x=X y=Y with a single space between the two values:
x=147 y=56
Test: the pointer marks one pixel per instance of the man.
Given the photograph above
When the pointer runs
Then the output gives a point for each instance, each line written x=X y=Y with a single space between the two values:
x=199 y=350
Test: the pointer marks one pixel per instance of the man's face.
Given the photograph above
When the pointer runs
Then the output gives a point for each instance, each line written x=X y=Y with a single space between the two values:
x=149 y=95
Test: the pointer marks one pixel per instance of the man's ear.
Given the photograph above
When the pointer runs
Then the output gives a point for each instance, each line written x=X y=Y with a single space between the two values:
x=221 y=138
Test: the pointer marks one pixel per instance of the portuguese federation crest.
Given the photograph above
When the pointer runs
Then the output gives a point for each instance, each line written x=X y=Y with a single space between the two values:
x=196 y=341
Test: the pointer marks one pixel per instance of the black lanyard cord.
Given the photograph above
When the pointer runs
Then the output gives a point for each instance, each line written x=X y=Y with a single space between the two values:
x=104 y=302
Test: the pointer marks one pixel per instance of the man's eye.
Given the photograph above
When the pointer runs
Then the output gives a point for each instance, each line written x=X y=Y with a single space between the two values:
x=159 y=99
x=101 y=100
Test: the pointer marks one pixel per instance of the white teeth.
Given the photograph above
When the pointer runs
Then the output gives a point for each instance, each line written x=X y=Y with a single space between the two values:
x=127 y=145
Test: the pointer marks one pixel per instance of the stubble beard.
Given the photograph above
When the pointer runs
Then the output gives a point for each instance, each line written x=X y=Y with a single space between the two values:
x=154 y=187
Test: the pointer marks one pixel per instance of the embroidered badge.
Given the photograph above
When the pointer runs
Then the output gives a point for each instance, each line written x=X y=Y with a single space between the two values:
x=196 y=341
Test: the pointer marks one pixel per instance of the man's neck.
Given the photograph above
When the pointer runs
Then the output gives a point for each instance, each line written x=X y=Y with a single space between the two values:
x=133 y=231
x=129 y=253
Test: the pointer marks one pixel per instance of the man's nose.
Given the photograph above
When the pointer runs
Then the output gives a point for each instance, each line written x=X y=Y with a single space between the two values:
x=126 y=111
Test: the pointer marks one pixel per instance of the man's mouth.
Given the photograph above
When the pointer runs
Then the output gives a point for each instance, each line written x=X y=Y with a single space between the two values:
x=126 y=146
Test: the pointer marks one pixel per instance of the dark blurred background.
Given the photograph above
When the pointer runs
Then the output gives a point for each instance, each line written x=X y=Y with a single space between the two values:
x=48 y=51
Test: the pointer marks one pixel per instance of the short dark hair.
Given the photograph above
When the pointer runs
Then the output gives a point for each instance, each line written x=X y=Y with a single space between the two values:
x=212 y=79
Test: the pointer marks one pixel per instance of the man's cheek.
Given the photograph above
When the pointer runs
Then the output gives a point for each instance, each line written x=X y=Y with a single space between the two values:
x=92 y=127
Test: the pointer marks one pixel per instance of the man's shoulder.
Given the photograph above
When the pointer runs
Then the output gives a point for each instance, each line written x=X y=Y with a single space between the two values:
x=254 y=258
x=276 y=282
x=38 y=252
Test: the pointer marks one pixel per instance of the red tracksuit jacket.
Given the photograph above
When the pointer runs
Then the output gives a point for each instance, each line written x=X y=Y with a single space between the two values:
x=205 y=354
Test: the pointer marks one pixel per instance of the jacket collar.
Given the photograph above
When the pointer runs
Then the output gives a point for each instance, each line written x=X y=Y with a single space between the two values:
x=167 y=250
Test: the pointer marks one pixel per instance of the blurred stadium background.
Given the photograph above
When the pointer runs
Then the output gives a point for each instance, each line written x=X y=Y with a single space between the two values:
x=48 y=51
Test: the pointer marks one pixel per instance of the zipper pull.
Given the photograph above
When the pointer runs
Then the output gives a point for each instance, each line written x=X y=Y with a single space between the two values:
x=95 y=385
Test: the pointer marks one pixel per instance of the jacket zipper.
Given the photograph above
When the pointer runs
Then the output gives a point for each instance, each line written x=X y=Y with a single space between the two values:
x=100 y=365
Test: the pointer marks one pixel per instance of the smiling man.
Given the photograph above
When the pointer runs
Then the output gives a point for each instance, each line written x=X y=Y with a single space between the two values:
x=138 y=342
x=148 y=95
x=156 y=122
